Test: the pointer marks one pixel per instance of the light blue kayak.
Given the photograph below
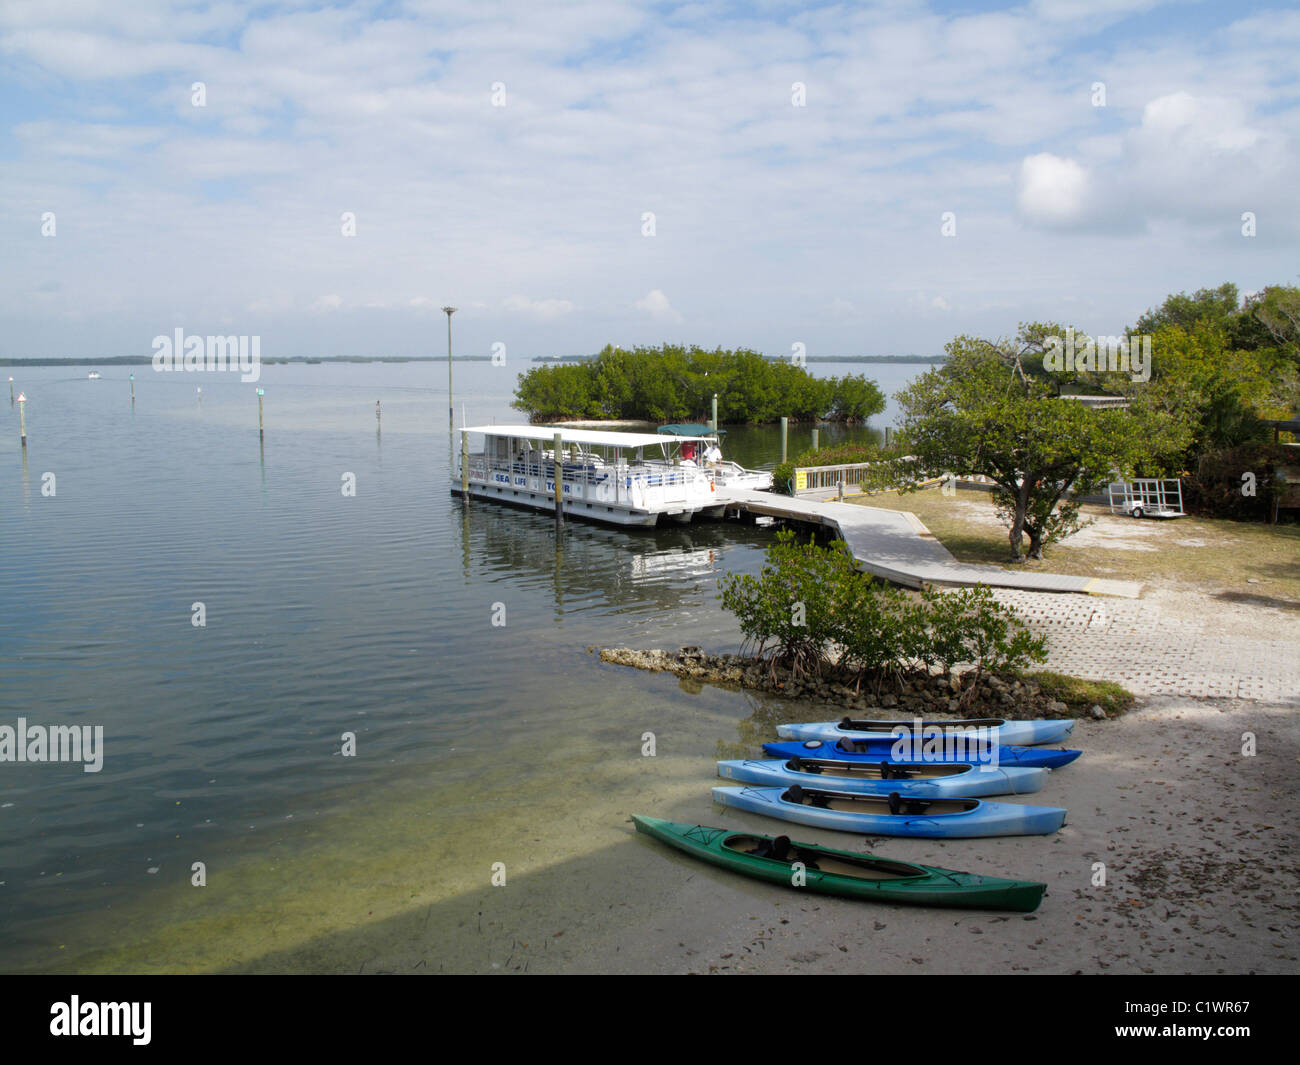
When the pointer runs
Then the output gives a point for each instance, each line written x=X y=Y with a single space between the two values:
x=923 y=779
x=990 y=729
x=894 y=814
x=873 y=750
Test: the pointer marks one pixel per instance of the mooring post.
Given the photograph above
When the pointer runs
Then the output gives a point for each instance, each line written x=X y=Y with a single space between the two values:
x=260 y=432
x=886 y=436
x=11 y=391
x=714 y=423
x=816 y=436
x=22 y=418
x=840 y=485
x=132 y=376
x=785 y=429
x=559 y=478
x=464 y=464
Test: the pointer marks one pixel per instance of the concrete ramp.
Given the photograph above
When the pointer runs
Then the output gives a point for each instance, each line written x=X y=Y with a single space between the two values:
x=895 y=545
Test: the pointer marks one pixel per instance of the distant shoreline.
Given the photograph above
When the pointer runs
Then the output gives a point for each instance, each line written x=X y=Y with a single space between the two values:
x=299 y=360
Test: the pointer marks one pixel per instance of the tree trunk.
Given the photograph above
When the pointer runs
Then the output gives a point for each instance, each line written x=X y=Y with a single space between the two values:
x=1018 y=522
x=1035 y=541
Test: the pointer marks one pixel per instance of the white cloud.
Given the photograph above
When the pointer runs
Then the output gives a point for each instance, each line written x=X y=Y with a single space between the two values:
x=656 y=303
x=1052 y=190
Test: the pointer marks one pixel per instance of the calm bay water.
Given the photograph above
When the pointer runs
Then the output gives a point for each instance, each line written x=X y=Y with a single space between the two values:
x=324 y=615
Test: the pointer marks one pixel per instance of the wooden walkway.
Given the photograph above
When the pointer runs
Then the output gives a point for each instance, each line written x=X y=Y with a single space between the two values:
x=893 y=544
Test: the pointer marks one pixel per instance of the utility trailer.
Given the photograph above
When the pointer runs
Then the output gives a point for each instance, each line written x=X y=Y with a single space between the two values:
x=1147 y=497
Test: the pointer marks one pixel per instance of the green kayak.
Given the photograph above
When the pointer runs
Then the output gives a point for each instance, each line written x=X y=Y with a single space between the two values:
x=836 y=872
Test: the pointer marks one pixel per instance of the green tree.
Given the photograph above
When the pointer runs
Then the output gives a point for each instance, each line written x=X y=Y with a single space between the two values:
x=982 y=413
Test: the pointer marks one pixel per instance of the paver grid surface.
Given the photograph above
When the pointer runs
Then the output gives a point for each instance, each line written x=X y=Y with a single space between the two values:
x=1150 y=653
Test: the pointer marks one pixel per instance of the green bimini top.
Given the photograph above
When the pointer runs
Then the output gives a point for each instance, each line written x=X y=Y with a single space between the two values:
x=694 y=429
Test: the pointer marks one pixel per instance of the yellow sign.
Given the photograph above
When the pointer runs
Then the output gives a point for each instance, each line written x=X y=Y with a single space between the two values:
x=800 y=480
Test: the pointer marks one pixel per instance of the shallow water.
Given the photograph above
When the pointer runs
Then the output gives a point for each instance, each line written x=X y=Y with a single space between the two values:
x=325 y=615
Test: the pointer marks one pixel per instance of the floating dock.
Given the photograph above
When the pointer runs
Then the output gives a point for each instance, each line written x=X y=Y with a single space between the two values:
x=894 y=545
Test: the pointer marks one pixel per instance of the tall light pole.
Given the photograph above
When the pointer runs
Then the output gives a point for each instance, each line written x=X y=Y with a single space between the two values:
x=451 y=410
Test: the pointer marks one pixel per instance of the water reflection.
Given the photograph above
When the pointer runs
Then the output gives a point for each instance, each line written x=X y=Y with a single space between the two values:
x=614 y=569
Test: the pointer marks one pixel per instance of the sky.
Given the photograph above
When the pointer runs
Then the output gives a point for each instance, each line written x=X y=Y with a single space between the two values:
x=856 y=178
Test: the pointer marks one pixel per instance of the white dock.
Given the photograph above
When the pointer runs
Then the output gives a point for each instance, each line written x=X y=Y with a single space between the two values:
x=893 y=544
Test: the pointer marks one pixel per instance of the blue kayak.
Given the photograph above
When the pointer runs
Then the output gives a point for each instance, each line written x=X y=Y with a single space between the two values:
x=985 y=730
x=923 y=779
x=873 y=750
x=894 y=814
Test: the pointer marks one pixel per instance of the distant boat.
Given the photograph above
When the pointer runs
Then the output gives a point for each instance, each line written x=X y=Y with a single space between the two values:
x=93 y=375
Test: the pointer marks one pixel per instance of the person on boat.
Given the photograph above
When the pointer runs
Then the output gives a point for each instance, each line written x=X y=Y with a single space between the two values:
x=712 y=454
x=688 y=454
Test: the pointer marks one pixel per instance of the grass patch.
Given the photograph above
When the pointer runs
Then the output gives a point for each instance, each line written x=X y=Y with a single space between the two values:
x=1082 y=695
x=1220 y=558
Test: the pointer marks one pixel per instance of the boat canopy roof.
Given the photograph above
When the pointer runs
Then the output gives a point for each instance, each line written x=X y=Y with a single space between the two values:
x=693 y=429
x=597 y=437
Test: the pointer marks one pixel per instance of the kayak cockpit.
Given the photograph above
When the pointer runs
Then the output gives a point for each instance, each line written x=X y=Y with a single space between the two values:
x=780 y=849
x=849 y=724
x=892 y=803
x=882 y=770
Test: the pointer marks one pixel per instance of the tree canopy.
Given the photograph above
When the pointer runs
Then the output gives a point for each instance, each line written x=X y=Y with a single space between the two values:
x=983 y=413
x=673 y=383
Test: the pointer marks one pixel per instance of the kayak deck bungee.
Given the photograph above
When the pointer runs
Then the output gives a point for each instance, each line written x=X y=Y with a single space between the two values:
x=933 y=779
x=864 y=748
x=829 y=871
x=992 y=729
x=894 y=814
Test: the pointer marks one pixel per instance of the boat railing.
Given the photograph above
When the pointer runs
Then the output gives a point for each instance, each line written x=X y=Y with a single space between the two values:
x=637 y=484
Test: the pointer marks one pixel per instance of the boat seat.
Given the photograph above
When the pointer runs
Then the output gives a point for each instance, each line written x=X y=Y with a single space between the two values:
x=778 y=848
x=797 y=765
x=796 y=794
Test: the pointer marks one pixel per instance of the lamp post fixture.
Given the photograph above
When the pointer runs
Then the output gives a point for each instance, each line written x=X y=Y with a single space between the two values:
x=451 y=409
